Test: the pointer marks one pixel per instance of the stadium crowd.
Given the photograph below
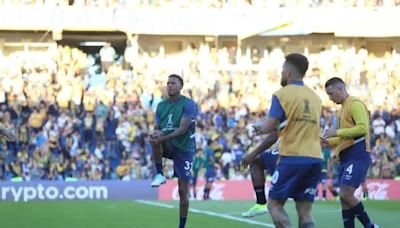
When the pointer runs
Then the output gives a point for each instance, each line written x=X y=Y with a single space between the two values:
x=208 y=3
x=87 y=117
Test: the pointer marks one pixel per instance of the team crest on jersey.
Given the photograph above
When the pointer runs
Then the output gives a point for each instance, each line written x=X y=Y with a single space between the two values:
x=170 y=125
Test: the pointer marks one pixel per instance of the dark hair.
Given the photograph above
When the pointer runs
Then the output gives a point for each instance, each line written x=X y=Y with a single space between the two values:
x=334 y=81
x=177 y=77
x=299 y=61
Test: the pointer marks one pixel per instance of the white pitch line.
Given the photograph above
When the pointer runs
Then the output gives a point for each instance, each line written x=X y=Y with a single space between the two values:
x=210 y=213
x=155 y=204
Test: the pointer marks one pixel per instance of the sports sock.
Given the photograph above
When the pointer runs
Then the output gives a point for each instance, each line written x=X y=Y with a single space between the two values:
x=260 y=194
x=348 y=218
x=182 y=222
x=362 y=215
x=159 y=167
x=206 y=193
x=365 y=194
x=335 y=193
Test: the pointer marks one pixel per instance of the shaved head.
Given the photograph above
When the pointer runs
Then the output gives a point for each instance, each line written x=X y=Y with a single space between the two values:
x=336 y=90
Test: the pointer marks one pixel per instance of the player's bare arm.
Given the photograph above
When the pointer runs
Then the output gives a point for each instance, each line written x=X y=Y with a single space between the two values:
x=183 y=127
x=156 y=132
x=264 y=145
x=266 y=126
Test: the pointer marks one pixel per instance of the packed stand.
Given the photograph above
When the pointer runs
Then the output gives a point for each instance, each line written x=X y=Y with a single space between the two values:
x=87 y=117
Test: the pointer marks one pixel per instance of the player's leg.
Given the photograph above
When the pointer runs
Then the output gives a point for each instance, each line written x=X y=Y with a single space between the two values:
x=207 y=187
x=322 y=181
x=347 y=216
x=210 y=177
x=323 y=184
x=349 y=204
x=278 y=213
x=157 y=156
x=304 y=214
x=324 y=188
x=280 y=190
x=305 y=193
x=183 y=189
x=183 y=162
x=353 y=207
x=206 y=190
x=194 y=184
x=257 y=173
x=364 y=190
x=297 y=181
x=354 y=174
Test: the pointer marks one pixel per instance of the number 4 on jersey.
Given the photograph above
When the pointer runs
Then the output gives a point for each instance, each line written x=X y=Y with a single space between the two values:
x=350 y=169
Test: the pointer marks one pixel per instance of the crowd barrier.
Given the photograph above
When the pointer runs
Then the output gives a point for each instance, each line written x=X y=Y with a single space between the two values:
x=378 y=189
x=140 y=189
x=79 y=190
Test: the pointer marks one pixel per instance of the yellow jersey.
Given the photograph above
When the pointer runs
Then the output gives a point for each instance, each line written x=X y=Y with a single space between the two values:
x=353 y=127
x=302 y=110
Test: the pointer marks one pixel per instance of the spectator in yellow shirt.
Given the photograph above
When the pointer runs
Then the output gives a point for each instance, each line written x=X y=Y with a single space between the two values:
x=122 y=169
x=36 y=120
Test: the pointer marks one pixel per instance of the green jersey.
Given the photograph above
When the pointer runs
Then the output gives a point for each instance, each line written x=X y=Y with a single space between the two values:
x=197 y=163
x=168 y=117
x=326 y=154
x=209 y=158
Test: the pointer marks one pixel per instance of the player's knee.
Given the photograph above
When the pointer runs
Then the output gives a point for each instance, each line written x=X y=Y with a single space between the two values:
x=273 y=205
x=304 y=216
x=304 y=213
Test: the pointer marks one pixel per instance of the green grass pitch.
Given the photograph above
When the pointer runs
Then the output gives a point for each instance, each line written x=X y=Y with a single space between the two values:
x=164 y=214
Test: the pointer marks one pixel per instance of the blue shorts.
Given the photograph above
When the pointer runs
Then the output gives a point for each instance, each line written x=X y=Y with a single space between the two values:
x=193 y=180
x=183 y=161
x=210 y=174
x=295 y=180
x=353 y=172
x=354 y=165
x=323 y=177
x=269 y=159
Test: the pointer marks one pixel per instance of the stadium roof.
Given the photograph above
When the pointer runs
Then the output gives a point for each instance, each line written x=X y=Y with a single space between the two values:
x=244 y=23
